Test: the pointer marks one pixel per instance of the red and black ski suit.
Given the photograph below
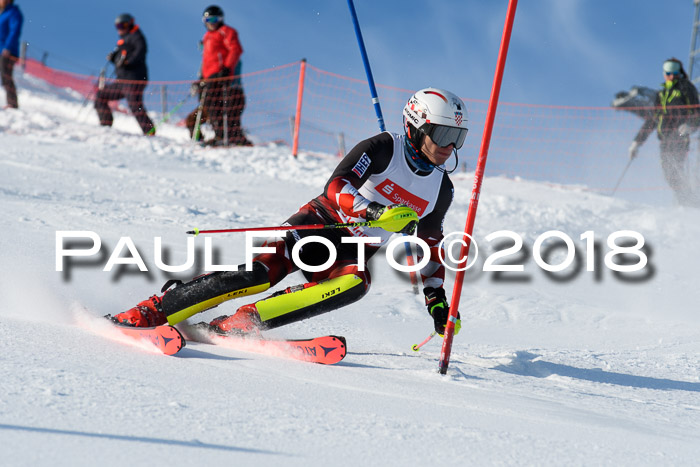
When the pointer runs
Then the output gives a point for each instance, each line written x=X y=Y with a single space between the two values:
x=378 y=170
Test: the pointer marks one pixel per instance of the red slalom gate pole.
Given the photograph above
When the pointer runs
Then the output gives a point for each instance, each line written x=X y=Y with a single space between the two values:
x=476 y=188
x=297 y=116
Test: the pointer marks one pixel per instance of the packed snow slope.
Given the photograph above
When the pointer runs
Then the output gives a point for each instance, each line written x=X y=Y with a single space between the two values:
x=576 y=367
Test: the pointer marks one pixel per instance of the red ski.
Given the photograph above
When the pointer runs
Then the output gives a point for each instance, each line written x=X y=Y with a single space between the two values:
x=325 y=350
x=165 y=338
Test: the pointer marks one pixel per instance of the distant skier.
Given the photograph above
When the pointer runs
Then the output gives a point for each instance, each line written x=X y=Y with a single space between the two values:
x=220 y=87
x=129 y=58
x=11 y=20
x=367 y=185
x=676 y=117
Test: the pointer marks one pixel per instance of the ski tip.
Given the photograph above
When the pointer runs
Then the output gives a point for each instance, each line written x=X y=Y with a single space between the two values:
x=164 y=337
x=343 y=340
x=334 y=355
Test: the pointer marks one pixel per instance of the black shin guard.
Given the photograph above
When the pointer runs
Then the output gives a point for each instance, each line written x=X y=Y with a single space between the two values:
x=208 y=291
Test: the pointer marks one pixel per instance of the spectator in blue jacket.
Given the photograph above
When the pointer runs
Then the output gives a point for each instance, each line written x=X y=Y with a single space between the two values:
x=10 y=28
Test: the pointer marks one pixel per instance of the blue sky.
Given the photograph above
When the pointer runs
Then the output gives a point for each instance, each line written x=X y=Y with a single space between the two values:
x=563 y=52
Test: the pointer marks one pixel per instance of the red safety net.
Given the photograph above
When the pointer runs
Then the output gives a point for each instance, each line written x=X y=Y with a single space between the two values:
x=584 y=146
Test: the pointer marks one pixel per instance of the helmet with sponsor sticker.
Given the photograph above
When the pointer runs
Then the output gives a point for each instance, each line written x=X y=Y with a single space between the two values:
x=213 y=15
x=438 y=114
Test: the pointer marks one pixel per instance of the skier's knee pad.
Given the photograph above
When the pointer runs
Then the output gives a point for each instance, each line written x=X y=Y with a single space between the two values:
x=307 y=300
x=278 y=263
x=210 y=290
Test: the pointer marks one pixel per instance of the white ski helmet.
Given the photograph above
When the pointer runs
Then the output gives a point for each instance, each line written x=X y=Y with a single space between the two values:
x=438 y=114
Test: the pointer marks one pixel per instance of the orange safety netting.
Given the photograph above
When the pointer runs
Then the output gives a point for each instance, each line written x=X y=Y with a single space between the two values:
x=584 y=146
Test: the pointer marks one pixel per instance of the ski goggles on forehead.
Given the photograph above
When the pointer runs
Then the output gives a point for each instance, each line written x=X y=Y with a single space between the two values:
x=443 y=136
x=212 y=19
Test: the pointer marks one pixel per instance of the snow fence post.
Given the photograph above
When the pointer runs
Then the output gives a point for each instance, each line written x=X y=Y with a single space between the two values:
x=476 y=188
x=164 y=101
x=300 y=98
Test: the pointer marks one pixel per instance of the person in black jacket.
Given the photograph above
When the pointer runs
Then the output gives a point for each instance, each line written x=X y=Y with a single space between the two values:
x=676 y=116
x=129 y=58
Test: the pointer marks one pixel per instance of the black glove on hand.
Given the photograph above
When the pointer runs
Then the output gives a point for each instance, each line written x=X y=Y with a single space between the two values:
x=223 y=73
x=374 y=211
x=111 y=55
x=439 y=309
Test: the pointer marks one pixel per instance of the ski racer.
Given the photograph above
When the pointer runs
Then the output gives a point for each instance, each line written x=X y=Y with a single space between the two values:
x=400 y=179
x=676 y=116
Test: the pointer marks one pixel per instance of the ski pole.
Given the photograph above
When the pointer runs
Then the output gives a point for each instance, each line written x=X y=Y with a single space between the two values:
x=621 y=176
x=196 y=232
x=169 y=114
x=200 y=108
x=93 y=91
x=100 y=79
x=225 y=104
x=416 y=347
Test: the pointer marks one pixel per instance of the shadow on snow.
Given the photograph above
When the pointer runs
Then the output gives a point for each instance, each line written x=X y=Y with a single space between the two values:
x=139 y=439
x=527 y=364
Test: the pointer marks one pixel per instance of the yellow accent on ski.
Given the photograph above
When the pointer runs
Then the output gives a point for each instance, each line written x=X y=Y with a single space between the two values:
x=279 y=305
x=182 y=315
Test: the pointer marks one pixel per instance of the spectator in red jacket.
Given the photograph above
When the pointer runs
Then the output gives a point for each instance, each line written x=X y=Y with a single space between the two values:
x=222 y=102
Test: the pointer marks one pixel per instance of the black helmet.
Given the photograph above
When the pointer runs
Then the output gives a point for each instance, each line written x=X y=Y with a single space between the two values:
x=213 y=14
x=124 y=21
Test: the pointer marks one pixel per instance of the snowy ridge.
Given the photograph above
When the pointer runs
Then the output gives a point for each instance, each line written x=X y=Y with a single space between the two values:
x=594 y=369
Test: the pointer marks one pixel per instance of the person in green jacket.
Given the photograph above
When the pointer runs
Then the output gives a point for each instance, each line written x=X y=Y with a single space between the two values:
x=676 y=116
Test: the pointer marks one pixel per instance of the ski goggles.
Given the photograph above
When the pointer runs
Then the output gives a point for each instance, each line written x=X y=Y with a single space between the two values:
x=123 y=26
x=212 y=19
x=443 y=136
